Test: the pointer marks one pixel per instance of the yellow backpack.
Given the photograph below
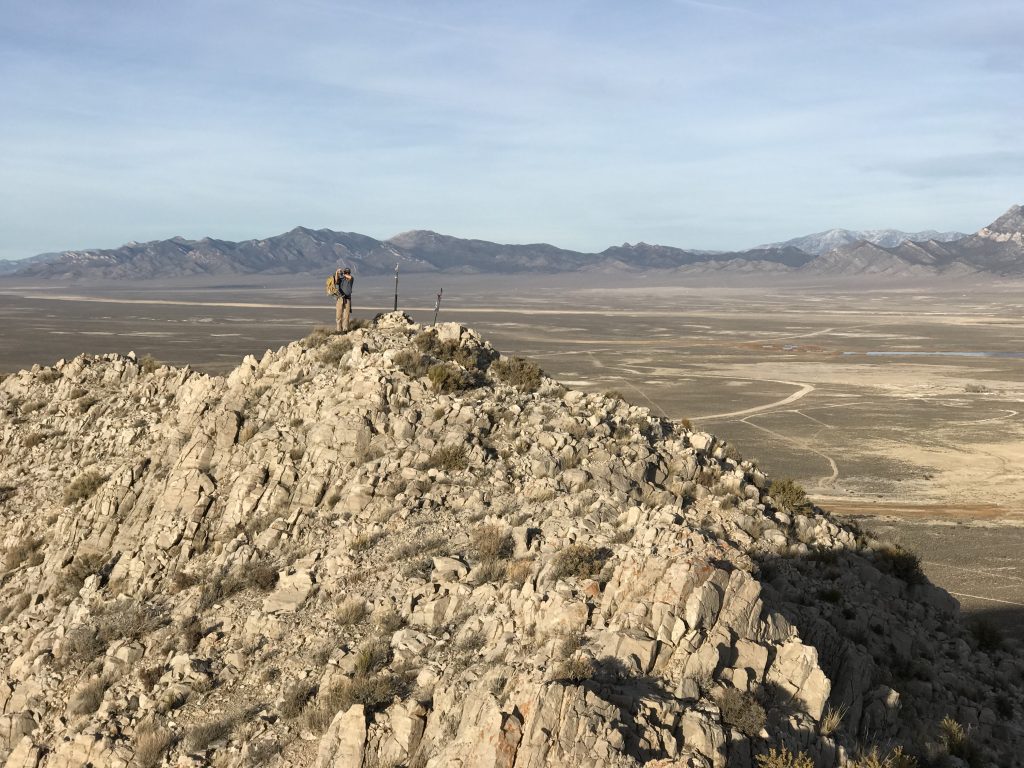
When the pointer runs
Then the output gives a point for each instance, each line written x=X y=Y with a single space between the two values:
x=331 y=287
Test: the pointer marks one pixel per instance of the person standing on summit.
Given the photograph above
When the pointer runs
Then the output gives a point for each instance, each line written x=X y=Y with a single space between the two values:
x=343 y=305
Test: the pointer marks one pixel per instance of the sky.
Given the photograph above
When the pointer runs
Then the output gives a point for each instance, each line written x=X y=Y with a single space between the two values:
x=716 y=124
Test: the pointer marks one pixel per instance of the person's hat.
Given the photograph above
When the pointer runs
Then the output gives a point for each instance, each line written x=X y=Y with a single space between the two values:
x=347 y=271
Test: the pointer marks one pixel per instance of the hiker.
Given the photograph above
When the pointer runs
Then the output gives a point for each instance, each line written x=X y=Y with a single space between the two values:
x=343 y=304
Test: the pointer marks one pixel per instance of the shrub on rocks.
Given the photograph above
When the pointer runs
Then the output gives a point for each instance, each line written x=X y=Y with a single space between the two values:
x=86 y=403
x=411 y=363
x=447 y=379
x=956 y=740
x=365 y=541
x=263 y=576
x=832 y=719
x=295 y=698
x=741 y=710
x=428 y=342
x=25 y=551
x=449 y=350
x=126 y=620
x=987 y=635
x=74 y=574
x=490 y=572
x=581 y=561
x=575 y=669
x=372 y=656
x=35 y=438
x=388 y=621
x=431 y=545
x=873 y=758
x=334 y=351
x=789 y=496
x=901 y=563
x=32 y=406
x=190 y=633
x=15 y=607
x=150 y=676
x=372 y=691
x=83 y=486
x=521 y=374
x=783 y=758
x=82 y=644
x=149 y=364
x=449 y=458
x=317 y=338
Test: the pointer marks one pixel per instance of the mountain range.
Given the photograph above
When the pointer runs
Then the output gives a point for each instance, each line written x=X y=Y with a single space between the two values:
x=822 y=242
x=997 y=249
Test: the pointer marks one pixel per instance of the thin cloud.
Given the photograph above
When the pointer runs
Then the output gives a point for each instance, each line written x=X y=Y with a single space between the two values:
x=720 y=7
x=962 y=166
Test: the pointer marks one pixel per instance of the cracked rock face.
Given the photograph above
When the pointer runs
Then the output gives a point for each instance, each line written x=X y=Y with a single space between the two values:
x=397 y=547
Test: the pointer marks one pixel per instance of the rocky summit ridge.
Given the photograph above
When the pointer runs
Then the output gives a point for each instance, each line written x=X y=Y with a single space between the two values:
x=397 y=547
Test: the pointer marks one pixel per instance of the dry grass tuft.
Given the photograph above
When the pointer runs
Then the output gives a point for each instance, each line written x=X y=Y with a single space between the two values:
x=199 y=737
x=296 y=696
x=365 y=541
x=88 y=697
x=352 y=611
x=372 y=691
x=335 y=350
x=874 y=759
x=152 y=740
x=518 y=571
x=372 y=656
x=831 y=720
x=317 y=338
x=492 y=543
x=84 y=486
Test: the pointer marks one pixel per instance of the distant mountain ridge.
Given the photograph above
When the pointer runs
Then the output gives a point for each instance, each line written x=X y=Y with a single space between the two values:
x=997 y=249
x=822 y=242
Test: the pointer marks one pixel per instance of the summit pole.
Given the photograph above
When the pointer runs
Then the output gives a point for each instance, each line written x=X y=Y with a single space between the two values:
x=437 y=306
x=396 y=287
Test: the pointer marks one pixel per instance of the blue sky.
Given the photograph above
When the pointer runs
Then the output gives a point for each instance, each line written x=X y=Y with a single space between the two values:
x=695 y=123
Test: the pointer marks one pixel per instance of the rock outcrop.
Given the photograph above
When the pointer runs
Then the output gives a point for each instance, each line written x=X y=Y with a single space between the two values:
x=398 y=548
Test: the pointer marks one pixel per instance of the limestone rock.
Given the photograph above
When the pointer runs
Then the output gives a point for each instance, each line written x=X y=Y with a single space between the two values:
x=505 y=576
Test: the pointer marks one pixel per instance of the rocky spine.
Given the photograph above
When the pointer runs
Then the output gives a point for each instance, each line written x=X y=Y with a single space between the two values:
x=398 y=548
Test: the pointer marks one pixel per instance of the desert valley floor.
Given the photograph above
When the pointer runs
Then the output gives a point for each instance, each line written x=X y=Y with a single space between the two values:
x=898 y=404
